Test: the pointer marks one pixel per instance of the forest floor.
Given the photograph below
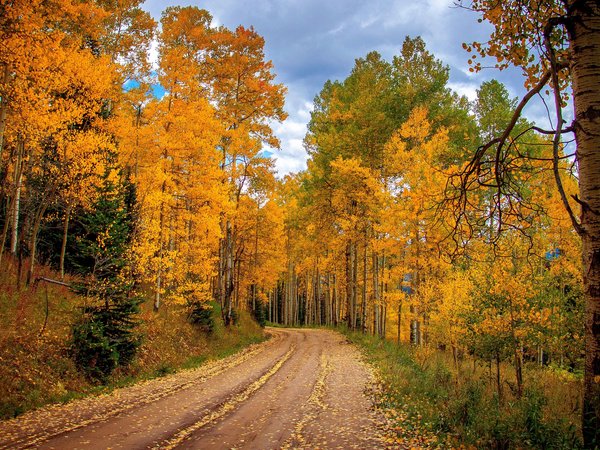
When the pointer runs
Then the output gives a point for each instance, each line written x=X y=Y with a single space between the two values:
x=300 y=389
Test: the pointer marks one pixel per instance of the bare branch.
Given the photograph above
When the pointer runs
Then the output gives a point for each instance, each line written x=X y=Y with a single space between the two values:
x=554 y=70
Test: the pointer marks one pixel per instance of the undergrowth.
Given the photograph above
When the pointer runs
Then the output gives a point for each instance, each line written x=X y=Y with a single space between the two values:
x=430 y=403
x=36 y=367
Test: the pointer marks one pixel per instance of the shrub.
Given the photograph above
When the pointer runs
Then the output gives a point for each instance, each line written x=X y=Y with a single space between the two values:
x=105 y=338
x=201 y=315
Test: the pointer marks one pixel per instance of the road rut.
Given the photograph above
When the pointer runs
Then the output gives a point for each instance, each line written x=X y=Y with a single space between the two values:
x=300 y=389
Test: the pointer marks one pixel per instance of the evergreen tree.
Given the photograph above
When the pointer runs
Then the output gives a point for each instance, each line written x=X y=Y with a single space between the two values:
x=105 y=337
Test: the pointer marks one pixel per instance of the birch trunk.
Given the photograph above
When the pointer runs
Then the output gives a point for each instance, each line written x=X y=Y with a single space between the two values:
x=18 y=182
x=584 y=35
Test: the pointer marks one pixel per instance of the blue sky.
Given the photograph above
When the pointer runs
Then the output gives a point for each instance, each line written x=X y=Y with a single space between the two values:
x=311 y=41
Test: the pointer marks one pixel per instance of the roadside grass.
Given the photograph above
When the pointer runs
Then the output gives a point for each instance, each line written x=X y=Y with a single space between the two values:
x=430 y=403
x=35 y=364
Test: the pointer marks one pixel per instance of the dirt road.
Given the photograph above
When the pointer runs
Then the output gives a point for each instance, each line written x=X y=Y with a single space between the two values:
x=300 y=389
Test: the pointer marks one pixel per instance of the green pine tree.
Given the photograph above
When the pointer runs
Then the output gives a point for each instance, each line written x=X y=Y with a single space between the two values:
x=105 y=337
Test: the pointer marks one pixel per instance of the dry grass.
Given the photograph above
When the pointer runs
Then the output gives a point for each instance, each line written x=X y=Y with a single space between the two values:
x=424 y=393
x=35 y=331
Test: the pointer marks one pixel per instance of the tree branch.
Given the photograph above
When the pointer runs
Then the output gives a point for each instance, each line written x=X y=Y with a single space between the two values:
x=554 y=69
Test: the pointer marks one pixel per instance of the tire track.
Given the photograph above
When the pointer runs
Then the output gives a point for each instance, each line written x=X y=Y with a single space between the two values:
x=267 y=419
x=227 y=407
x=316 y=403
x=39 y=427
x=302 y=389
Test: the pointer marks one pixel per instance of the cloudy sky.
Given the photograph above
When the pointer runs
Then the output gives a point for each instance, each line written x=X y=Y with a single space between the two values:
x=312 y=41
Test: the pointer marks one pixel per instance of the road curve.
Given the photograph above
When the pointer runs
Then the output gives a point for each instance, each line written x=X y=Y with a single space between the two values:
x=300 y=389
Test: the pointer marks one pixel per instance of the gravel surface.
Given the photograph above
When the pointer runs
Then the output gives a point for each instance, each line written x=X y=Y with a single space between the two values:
x=300 y=389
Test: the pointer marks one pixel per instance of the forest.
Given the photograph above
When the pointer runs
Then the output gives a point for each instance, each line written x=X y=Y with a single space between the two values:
x=133 y=191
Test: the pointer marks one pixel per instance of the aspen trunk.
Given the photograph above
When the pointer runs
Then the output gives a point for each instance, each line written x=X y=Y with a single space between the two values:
x=328 y=310
x=516 y=355
x=455 y=359
x=383 y=297
x=158 y=284
x=307 y=302
x=318 y=295
x=33 y=245
x=354 y=285
x=498 y=379
x=237 y=264
x=229 y=272
x=399 y=327
x=255 y=261
x=14 y=237
x=336 y=304
x=9 y=202
x=18 y=182
x=3 y=111
x=220 y=287
x=376 y=305
x=349 y=285
x=364 y=290
x=296 y=304
x=63 y=247
x=584 y=34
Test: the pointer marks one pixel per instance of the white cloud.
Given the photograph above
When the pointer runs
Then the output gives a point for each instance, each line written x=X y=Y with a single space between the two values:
x=467 y=89
x=305 y=55
x=292 y=156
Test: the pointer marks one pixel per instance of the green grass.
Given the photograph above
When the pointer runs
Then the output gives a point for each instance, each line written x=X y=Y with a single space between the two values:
x=430 y=404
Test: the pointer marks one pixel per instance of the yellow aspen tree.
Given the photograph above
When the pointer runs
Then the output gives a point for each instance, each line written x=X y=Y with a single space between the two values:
x=555 y=43
x=175 y=157
x=415 y=152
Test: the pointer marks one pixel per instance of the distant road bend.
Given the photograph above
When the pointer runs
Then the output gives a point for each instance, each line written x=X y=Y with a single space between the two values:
x=300 y=389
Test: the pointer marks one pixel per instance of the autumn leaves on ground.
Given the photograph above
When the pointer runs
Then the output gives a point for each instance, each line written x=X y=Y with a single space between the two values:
x=289 y=392
x=147 y=240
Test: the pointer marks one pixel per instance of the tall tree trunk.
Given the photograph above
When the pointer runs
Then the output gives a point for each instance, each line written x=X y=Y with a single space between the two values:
x=308 y=301
x=364 y=289
x=399 y=326
x=584 y=34
x=18 y=182
x=349 y=284
x=318 y=294
x=33 y=244
x=296 y=302
x=336 y=304
x=255 y=257
x=288 y=313
x=3 y=112
x=383 y=297
x=498 y=379
x=328 y=310
x=63 y=247
x=9 y=202
x=14 y=236
x=376 y=305
x=237 y=264
x=158 y=283
x=221 y=276
x=229 y=272
x=354 y=285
